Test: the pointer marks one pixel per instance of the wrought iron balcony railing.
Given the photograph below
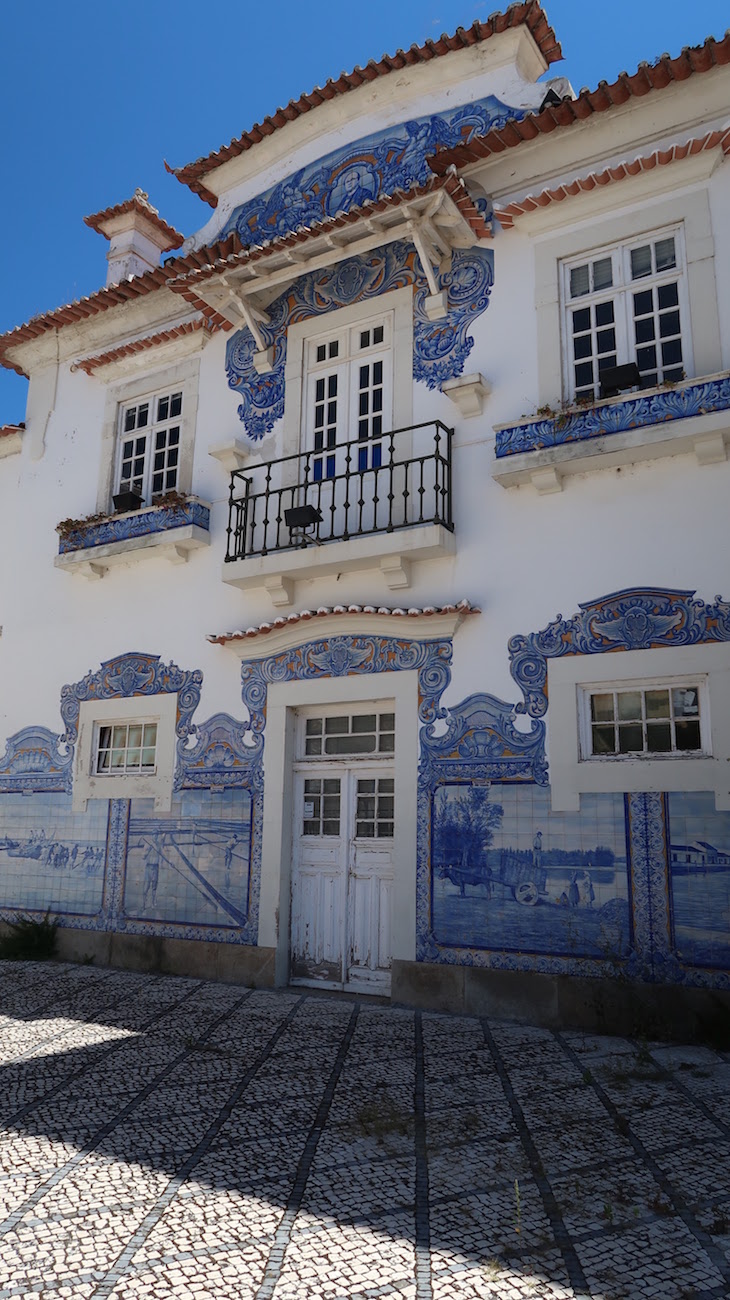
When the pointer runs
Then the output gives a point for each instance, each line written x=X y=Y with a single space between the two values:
x=400 y=480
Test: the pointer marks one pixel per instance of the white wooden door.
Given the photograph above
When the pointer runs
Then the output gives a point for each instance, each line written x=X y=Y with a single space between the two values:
x=342 y=878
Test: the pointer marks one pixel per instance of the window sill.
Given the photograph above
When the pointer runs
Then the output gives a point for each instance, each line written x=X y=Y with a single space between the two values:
x=171 y=532
x=693 y=416
x=390 y=553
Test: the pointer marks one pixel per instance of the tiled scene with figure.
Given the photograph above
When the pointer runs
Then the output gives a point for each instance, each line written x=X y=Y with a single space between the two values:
x=372 y=634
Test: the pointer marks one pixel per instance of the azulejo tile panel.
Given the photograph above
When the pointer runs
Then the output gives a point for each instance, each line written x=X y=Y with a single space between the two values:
x=52 y=859
x=440 y=348
x=142 y=523
x=615 y=417
x=392 y=159
x=699 y=876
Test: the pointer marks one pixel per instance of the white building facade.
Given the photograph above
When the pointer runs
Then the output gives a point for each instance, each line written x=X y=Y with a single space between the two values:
x=286 y=695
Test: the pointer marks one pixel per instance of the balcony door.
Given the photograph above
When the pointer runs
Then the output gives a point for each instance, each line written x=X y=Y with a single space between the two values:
x=347 y=410
x=342 y=868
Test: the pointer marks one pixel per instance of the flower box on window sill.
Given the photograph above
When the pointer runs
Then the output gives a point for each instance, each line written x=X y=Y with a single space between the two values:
x=171 y=528
x=693 y=416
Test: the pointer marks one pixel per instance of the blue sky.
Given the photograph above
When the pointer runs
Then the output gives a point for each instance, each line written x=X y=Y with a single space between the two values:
x=96 y=96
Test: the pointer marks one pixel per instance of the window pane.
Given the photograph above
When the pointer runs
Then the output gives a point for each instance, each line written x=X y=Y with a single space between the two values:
x=665 y=254
x=584 y=375
x=606 y=341
x=336 y=726
x=387 y=722
x=688 y=735
x=133 y=756
x=386 y=785
x=321 y=352
x=148 y=757
x=581 y=320
x=657 y=704
x=582 y=346
x=685 y=702
x=602 y=274
x=331 y=786
x=643 y=303
x=142 y=415
x=129 y=419
x=314 y=726
x=135 y=734
x=640 y=261
x=604 y=313
x=658 y=737
x=630 y=738
x=603 y=740
x=602 y=708
x=579 y=281
x=163 y=407
x=645 y=330
x=629 y=705
x=668 y=295
x=387 y=743
x=668 y=324
x=363 y=722
x=671 y=353
x=349 y=744
x=313 y=745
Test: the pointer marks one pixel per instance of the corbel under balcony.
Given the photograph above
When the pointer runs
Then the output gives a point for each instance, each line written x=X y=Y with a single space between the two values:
x=392 y=555
x=692 y=417
x=468 y=393
x=169 y=532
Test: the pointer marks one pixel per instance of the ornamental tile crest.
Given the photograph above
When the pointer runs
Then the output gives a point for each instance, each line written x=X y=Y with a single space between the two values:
x=615 y=417
x=440 y=348
x=392 y=159
x=638 y=618
x=219 y=756
x=129 y=675
x=346 y=656
x=36 y=759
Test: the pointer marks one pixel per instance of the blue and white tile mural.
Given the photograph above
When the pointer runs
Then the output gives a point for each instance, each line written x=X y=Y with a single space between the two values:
x=51 y=858
x=637 y=884
x=510 y=875
x=193 y=863
x=699 y=874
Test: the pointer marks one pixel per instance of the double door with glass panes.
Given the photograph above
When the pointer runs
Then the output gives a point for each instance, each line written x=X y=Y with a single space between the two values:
x=342 y=869
x=347 y=412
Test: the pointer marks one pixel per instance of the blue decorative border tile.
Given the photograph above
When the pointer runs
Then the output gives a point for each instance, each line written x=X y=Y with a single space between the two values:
x=441 y=348
x=141 y=523
x=615 y=417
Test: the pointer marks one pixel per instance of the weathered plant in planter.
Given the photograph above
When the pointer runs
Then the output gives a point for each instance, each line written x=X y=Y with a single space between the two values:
x=28 y=939
x=73 y=531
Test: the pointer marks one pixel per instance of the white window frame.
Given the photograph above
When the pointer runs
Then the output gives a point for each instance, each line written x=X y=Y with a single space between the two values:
x=602 y=219
x=571 y=775
x=621 y=294
x=399 y=305
x=184 y=376
x=157 y=785
x=149 y=433
x=126 y=769
x=587 y=690
x=333 y=711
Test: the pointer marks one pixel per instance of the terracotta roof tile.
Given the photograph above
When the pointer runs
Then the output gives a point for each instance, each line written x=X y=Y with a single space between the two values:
x=507 y=215
x=647 y=78
x=528 y=13
x=8 y=430
x=464 y=607
x=113 y=295
x=139 y=202
x=90 y=364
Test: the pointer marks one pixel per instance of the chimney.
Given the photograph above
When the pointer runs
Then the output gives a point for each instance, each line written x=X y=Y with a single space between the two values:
x=137 y=237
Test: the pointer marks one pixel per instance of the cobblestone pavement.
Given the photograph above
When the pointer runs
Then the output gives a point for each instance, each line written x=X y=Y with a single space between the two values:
x=175 y=1138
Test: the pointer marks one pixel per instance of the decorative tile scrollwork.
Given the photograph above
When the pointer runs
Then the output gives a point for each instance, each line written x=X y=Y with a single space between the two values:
x=36 y=759
x=440 y=348
x=634 y=619
x=129 y=675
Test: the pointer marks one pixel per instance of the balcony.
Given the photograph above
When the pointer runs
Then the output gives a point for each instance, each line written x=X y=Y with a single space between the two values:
x=170 y=530
x=693 y=416
x=380 y=504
